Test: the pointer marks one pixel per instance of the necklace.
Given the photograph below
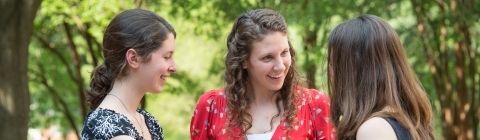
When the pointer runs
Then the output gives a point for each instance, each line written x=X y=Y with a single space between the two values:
x=141 y=129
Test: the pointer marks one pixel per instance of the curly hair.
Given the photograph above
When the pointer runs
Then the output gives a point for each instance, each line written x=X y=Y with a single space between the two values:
x=248 y=28
x=141 y=30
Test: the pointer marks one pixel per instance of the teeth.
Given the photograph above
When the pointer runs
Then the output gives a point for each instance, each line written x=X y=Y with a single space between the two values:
x=276 y=76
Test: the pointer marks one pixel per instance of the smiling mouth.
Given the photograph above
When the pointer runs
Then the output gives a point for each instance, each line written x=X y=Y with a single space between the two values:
x=275 y=76
x=163 y=78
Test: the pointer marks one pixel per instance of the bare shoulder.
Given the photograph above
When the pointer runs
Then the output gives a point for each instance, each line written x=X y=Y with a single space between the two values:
x=376 y=128
x=122 y=137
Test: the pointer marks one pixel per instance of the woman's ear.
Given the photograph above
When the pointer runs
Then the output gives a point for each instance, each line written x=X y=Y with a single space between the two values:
x=132 y=58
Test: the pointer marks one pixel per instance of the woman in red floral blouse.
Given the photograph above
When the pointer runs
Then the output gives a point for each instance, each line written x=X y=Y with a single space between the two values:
x=261 y=98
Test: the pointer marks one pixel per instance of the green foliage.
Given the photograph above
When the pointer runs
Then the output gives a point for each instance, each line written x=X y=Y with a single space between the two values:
x=173 y=112
x=57 y=79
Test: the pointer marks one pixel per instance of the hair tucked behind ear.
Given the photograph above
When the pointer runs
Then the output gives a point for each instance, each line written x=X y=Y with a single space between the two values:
x=137 y=29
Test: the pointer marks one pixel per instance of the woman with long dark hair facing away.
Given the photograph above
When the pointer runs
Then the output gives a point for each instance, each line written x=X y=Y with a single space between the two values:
x=374 y=92
x=138 y=47
x=262 y=98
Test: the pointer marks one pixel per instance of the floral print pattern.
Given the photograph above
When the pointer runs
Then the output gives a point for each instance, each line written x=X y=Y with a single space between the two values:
x=209 y=119
x=104 y=124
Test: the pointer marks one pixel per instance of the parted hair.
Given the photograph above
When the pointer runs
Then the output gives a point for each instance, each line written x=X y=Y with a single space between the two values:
x=141 y=30
x=252 y=26
x=368 y=72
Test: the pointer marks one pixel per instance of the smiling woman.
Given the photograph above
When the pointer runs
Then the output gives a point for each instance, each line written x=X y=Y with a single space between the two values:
x=268 y=63
x=262 y=98
x=138 y=46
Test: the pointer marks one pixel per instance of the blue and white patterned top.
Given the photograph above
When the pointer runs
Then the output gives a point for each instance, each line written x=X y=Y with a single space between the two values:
x=104 y=124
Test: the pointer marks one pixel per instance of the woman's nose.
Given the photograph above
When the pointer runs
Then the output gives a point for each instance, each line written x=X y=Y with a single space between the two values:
x=279 y=66
x=172 y=68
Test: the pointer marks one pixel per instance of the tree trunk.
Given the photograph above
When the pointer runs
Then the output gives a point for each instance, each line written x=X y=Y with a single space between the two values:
x=310 y=39
x=16 y=26
x=454 y=72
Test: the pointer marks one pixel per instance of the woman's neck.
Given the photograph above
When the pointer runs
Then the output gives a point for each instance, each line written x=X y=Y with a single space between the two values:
x=126 y=92
x=261 y=97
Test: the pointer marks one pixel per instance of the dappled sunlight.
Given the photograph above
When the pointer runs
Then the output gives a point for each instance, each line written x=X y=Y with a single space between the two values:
x=7 y=101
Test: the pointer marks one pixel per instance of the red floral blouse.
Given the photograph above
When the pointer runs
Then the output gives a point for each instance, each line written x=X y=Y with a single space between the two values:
x=209 y=121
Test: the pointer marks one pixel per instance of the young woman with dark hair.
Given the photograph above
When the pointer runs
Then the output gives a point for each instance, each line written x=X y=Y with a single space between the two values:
x=138 y=47
x=374 y=93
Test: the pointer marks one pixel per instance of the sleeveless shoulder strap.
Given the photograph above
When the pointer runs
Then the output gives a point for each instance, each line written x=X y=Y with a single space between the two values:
x=401 y=132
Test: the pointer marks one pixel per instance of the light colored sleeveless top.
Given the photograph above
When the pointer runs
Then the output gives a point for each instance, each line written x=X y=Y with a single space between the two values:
x=265 y=136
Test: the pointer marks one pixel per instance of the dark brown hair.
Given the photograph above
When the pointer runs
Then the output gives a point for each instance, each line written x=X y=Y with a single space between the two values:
x=141 y=30
x=248 y=28
x=369 y=72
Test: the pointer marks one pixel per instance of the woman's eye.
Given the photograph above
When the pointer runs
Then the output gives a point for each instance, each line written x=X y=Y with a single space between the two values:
x=284 y=53
x=267 y=58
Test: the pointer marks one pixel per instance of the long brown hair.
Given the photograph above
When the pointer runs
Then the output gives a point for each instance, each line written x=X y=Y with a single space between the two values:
x=368 y=71
x=249 y=27
x=141 y=30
